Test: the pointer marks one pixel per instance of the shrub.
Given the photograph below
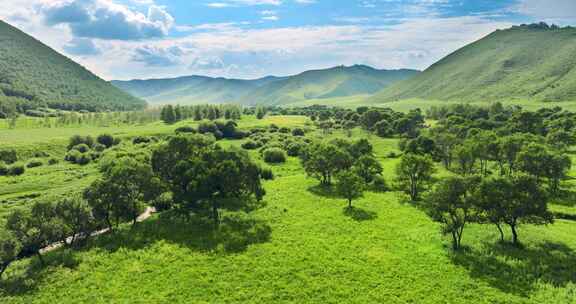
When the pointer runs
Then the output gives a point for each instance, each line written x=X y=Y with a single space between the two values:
x=392 y=155
x=40 y=154
x=163 y=202
x=185 y=129
x=298 y=132
x=3 y=169
x=141 y=140
x=82 y=148
x=266 y=174
x=84 y=159
x=77 y=140
x=294 y=149
x=106 y=140
x=274 y=155
x=33 y=163
x=8 y=156
x=284 y=130
x=53 y=161
x=117 y=141
x=251 y=145
x=16 y=169
x=99 y=147
x=73 y=156
x=379 y=184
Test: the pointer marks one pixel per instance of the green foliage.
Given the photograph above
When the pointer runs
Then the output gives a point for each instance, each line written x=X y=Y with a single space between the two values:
x=106 y=140
x=8 y=156
x=413 y=172
x=350 y=186
x=33 y=163
x=16 y=169
x=274 y=156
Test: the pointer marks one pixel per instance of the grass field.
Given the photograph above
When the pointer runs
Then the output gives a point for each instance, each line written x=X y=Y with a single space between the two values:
x=384 y=251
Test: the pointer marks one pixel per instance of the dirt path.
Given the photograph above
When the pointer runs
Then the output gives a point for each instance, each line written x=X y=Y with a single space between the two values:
x=142 y=217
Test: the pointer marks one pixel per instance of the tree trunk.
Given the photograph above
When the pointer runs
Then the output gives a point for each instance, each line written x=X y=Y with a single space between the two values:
x=215 y=215
x=514 y=233
x=455 y=244
x=349 y=203
x=501 y=232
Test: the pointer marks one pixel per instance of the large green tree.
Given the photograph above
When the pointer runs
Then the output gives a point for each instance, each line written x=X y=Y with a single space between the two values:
x=413 y=172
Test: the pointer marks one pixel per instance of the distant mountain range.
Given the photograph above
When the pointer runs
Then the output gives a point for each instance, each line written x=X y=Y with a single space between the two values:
x=335 y=82
x=530 y=62
x=34 y=75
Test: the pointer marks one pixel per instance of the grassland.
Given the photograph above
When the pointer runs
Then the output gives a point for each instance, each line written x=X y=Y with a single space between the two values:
x=385 y=251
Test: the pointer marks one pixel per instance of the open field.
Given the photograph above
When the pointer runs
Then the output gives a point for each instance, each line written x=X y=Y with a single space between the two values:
x=385 y=251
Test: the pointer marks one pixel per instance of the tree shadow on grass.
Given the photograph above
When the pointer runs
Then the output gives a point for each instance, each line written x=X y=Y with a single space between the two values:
x=324 y=191
x=359 y=214
x=517 y=270
x=235 y=234
x=565 y=197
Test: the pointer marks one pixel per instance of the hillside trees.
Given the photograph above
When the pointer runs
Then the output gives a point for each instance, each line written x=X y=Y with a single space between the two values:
x=350 y=186
x=204 y=178
x=450 y=203
x=413 y=172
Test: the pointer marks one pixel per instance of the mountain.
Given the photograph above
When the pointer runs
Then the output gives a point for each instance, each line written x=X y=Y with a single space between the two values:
x=336 y=82
x=318 y=84
x=191 y=89
x=34 y=75
x=529 y=62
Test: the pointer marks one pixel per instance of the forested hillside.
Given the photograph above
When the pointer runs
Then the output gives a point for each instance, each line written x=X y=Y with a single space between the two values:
x=322 y=84
x=191 y=89
x=528 y=62
x=339 y=81
x=33 y=75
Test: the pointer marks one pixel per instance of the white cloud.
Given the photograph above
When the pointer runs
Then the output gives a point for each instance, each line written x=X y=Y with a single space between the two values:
x=548 y=9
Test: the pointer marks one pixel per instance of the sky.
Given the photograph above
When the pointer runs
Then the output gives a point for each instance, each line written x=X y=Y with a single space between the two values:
x=141 y=39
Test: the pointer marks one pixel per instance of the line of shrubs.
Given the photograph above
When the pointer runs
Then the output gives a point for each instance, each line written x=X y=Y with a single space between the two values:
x=84 y=149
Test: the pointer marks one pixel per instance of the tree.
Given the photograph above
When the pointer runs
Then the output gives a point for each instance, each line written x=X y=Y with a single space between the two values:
x=323 y=160
x=450 y=204
x=538 y=161
x=349 y=186
x=512 y=201
x=77 y=219
x=168 y=115
x=105 y=139
x=260 y=112
x=9 y=249
x=35 y=229
x=413 y=172
x=367 y=167
x=370 y=118
x=204 y=178
x=465 y=156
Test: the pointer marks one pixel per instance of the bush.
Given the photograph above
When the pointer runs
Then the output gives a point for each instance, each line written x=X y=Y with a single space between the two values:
x=185 y=129
x=266 y=174
x=99 y=147
x=251 y=145
x=106 y=140
x=298 y=132
x=73 y=156
x=53 y=161
x=163 y=202
x=77 y=140
x=392 y=155
x=284 y=130
x=82 y=148
x=379 y=184
x=8 y=156
x=84 y=159
x=40 y=154
x=34 y=163
x=3 y=169
x=141 y=140
x=16 y=169
x=274 y=155
x=294 y=149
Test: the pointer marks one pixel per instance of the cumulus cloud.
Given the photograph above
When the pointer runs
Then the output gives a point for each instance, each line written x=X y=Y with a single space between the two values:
x=548 y=9
x=158 y=56
x=82 y=47
x=105 y=19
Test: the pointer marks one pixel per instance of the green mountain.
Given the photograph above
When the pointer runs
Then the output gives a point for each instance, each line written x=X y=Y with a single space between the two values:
x=34 y=75
x=191 y=89
x=318 y=84
x=529 y=62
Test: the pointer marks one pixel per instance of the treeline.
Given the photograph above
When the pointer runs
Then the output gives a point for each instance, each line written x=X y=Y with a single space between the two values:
x=507 y=164
x=171 y=114
x=187 y=175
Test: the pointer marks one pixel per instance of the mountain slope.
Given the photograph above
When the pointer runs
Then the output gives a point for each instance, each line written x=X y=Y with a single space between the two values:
x=319 y=84
x=329 y=83
x=529 y=62
x=191 y=89
x=33 y=74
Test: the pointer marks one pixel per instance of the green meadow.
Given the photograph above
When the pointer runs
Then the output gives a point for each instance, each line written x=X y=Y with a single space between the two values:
x=385 y=250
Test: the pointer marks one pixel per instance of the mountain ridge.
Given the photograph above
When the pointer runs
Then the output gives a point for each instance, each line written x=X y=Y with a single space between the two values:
x=339 y=81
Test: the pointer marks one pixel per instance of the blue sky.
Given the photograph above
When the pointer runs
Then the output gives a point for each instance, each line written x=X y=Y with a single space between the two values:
x=125 y=39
